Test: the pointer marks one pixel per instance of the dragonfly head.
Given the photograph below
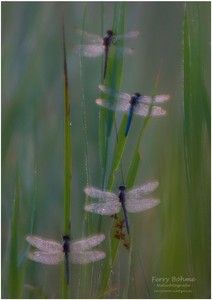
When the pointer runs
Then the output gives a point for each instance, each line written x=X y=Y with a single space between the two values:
x=122 y=188
x=110 y=32
x=137 y=94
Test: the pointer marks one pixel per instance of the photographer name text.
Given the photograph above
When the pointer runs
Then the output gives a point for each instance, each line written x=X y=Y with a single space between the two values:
x=173 y=279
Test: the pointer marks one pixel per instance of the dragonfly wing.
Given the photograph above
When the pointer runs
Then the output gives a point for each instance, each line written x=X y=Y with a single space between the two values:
x=127 y=50
x=143 y=110
x=122 y=96
x=89 y=37
x=48 y=258
x=86 y=257
x=101 y=195
x=124 y=50
x=155 y=99
x=128 y=35
x=86 y=243
x=137 y=205
x=158 y=111
x=90 y=50
x=43 y=244
x=107 y=208
x=122 y=105
x=141 y=190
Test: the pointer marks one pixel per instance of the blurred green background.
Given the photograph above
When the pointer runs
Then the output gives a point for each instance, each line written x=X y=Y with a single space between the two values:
x=172 y=239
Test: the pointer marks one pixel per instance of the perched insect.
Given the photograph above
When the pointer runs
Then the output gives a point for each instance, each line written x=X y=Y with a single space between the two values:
x=98 y=45
x=138 y=104
x=52 y=252
x=111 y=203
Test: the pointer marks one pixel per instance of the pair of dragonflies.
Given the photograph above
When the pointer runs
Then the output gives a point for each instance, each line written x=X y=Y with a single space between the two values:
x=51 y=252
x=135 y=104
x=138 y=104
x=132 y=201
x=98 y=45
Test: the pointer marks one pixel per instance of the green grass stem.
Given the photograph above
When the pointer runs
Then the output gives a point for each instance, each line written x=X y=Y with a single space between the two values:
x=15 y=272
x=197 y=144
x=67 y=159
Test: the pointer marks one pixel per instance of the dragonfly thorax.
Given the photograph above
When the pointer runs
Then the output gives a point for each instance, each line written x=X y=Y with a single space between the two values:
x=66 y=243
x=122 y=190
x=108 y=38
x=134 y=98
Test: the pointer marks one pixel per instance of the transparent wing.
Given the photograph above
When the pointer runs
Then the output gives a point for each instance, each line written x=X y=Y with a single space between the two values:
x=122 y=105
x=158 y=111
x=109 y=91
x=90 y=50
x=143 y=110
x=86 y=243
x=156 y=99
x=43 y=244
x=124 y=50
x=120 y=50
x=128 y=35
x=107 y=208
x=89 y=37
x=101 y=195
x=48 y=258
x=141 y=205
x=86 y=257
x=142 y=190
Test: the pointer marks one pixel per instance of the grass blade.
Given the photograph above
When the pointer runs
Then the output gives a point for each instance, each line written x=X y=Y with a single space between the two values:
x=15 y=274
x=67 y=161
x=197 y=144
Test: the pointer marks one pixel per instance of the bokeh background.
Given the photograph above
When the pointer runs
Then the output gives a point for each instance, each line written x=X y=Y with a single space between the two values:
x=170 y=240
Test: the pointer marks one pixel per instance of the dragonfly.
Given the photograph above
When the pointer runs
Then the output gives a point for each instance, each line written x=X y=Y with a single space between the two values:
x=51 y=252
x=111 y=203
x=135 y=104
x=98 y=45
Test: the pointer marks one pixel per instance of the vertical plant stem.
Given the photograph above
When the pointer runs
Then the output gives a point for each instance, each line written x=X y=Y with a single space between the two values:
x=197 y=145
x=15 y=274
x=67 y=160
x=113 y=79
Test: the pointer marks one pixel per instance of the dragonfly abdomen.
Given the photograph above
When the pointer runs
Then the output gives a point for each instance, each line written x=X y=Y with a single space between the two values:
x=129 y=121
x=67 y=266
x=106 y=60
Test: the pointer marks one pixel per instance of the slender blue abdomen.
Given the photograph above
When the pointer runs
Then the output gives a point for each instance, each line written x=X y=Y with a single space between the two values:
x=125 y=217
x=106 y=59
x=129 y=119
x=67 y=267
